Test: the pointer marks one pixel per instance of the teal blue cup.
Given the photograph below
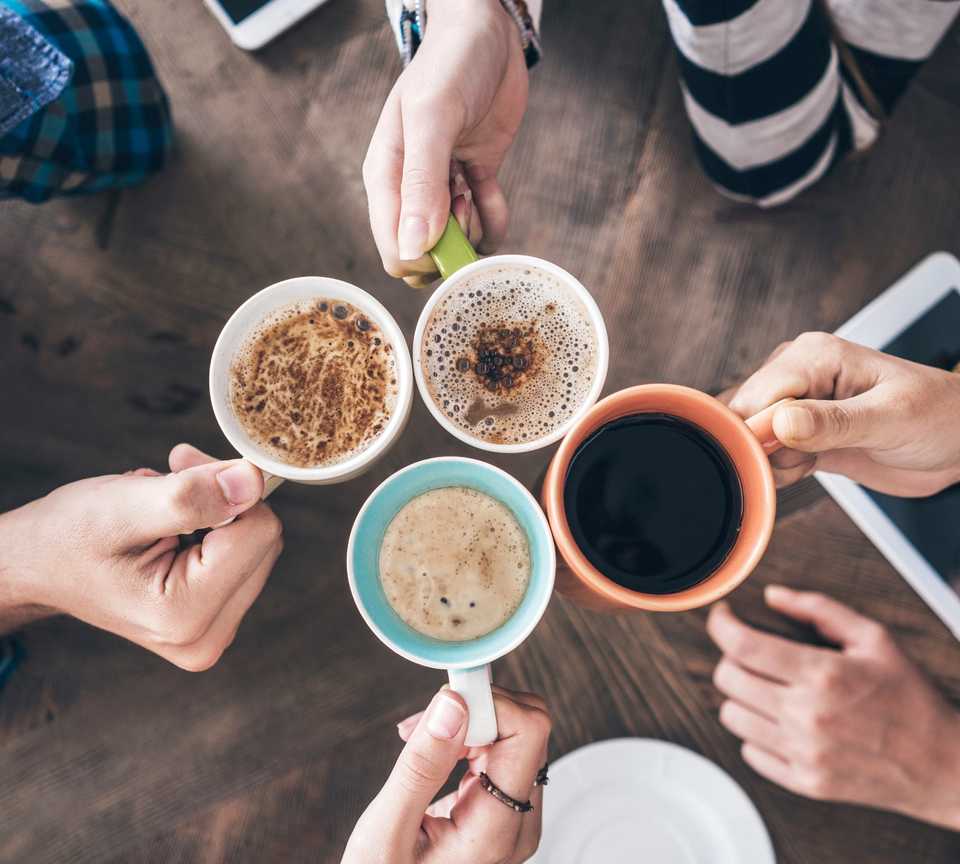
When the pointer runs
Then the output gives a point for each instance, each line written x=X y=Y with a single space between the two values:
x=468 y=663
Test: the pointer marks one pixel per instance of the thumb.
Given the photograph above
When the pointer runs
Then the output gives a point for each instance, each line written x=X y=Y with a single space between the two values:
x=428 y=142
x=819 y=425
x=200 y=497
x=832 y=619
x=425 y=764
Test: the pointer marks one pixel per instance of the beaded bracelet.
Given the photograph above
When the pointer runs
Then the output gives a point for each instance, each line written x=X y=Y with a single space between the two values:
x=489 y=786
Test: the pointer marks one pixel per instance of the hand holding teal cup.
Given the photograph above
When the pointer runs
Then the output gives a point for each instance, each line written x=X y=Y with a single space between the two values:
x=468 y=662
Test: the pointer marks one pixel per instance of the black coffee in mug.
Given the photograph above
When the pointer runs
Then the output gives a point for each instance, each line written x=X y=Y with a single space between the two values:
x=653 y=502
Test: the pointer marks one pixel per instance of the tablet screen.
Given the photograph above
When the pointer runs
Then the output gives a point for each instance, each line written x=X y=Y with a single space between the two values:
x=240 y=9
x=932 y=524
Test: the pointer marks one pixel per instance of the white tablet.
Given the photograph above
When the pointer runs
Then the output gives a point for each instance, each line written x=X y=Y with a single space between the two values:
x=253 y=23
x=919 y=319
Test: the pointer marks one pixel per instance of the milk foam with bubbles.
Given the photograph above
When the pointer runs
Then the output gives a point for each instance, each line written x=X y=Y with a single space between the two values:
x=559 y=366
x=454 y=563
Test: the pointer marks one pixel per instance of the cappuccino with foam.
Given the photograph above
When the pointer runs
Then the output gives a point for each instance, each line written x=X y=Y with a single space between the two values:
x=454 y=563
x=509 y=355
x=314 y=383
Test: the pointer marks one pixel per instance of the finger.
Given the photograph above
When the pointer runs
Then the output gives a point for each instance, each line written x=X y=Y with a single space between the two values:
x=811 y=366
x=491 y=204
x=382 y=170
x=203 y=579
x=423 y=767
x=462 y=208
x=531 y=826
x=725 y=396
x=759 y=694
x=768 y=765
x=511 y=763
x=768 y=655
x=787 y=477
x=185 y=456
x=429 y=135
x=837 y=622
x=532 y=700
x=475 y=236
x=210 y=644
x=513 y=760
x=819 y=425
x=405 y=727
x=421 y=282
x=440 y=809
x=791 y=466
x=787 y=459
x=902 y=482
x=751 y=727
x=141 y=472
x=180 y=503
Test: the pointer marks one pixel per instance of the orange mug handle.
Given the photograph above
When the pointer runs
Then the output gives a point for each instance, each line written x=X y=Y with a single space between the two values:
x=761 y=425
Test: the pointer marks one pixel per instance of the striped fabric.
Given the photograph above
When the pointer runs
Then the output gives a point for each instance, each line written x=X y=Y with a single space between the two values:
x=776 y=90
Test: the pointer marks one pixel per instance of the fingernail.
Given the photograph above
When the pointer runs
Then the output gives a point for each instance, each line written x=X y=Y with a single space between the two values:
x=239 y=483
x=777 y=592
x=412 y=240
x=799 y=422
x=445 y=717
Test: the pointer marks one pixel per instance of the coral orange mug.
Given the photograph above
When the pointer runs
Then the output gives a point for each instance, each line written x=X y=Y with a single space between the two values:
x=746 y=443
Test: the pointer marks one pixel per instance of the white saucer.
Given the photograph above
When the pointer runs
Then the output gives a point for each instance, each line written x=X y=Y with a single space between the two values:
x=639 y=800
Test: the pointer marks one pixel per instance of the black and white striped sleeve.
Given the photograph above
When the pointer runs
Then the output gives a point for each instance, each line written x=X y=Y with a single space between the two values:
x=770 y=103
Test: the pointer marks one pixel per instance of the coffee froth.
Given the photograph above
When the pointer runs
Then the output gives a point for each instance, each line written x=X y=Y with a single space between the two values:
x=509 y=354
x=314 y=383
x=454 y=563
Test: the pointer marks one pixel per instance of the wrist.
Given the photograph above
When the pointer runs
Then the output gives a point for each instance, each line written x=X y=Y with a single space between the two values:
x=479 y=16
x=20 y=602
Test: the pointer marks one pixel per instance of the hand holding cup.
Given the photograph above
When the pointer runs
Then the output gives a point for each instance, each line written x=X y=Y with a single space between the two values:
x=106 y=550
x=468 y=826
x=882 y=421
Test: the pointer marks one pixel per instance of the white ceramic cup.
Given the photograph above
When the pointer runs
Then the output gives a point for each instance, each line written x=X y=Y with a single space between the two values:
x=235 y=334
x=568 y=281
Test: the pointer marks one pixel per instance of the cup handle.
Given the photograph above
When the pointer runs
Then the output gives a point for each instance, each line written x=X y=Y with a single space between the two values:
x=270 y=484
x=474 y=686
x=761 y=424
x=453 y=249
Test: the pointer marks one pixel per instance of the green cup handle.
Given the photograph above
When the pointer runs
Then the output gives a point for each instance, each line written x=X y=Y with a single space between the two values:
x=453 y=250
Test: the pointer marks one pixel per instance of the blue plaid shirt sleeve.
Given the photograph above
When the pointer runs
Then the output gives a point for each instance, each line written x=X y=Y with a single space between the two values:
x=110 y=125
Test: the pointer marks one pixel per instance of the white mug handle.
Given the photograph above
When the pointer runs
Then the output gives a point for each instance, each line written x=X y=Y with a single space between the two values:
x=474 y=686
x=270 y=484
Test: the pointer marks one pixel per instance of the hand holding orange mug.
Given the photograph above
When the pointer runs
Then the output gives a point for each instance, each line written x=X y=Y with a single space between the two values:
x=660 y=498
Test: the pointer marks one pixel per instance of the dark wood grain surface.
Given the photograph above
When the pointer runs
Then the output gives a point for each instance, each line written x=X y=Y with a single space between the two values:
x=111 y=306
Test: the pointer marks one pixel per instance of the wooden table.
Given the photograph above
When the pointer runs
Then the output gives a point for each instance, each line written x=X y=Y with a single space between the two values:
x=110 y=307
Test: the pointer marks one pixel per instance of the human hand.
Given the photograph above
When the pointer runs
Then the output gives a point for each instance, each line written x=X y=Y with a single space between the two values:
x=469 y=826
x=885 y=422
x=106 y=550
x=858 y=724
x=443 y=132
